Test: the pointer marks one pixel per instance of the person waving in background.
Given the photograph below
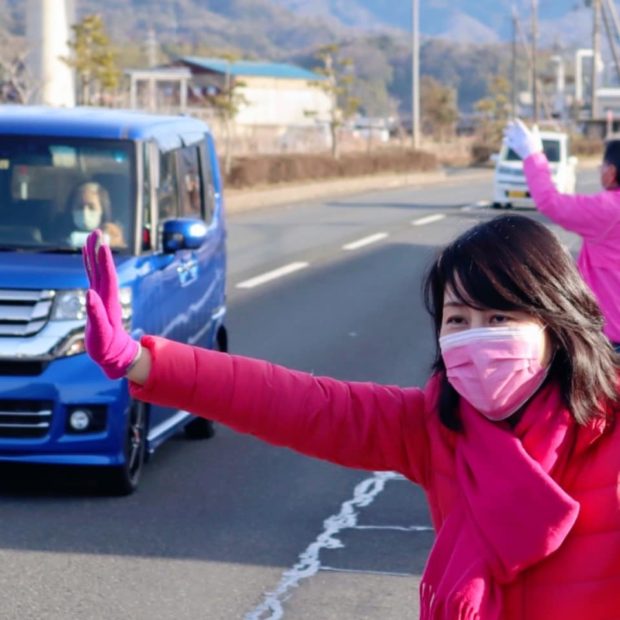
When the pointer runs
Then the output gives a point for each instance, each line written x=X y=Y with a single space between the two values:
x=595 y=218
x=514 y=438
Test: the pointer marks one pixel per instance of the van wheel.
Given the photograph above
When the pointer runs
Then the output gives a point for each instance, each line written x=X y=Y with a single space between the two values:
x=124 y=479
x=201 y=428
x=496 y=205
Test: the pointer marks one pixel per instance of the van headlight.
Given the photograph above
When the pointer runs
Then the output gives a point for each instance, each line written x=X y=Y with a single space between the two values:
x=71 y=305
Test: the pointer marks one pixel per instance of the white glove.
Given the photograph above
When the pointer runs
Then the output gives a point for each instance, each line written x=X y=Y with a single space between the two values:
x=521 y=140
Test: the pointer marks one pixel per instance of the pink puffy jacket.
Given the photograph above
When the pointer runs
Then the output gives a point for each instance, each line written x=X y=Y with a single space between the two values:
x=596 y=218
x=368 y=426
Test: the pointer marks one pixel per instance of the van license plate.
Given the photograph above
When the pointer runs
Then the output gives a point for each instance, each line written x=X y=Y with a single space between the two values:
x=517 y=193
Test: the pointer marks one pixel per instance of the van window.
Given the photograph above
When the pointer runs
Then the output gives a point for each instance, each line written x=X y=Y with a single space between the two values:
x=168 y=195
x=147 y=224
x=54 y=191
x=208 y=187
x=191 y=187
x=552 y=149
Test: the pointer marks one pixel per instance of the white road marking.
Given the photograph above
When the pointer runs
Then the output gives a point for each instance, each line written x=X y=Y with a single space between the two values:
x=481 y=204
x=309 y=563
x=366 y=572
x=360 y=243
x=272 y=275
x=429 y=219
x=398 y=528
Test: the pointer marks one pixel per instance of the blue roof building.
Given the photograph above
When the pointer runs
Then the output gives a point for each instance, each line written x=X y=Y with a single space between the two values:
x=250 y=68
x=274 y=94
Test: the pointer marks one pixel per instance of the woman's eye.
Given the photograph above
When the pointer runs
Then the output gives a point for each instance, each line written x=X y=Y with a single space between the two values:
x=500 y=318
x=455 y=320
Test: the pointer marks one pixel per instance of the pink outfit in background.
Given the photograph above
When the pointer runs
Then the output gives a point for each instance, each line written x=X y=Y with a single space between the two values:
x=596 y=218
x=527 y=519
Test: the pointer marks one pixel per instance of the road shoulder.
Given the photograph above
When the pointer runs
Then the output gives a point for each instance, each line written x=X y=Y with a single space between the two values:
x=249 y=199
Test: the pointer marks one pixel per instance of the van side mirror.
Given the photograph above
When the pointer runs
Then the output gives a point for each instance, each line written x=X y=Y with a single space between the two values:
x=182 y=234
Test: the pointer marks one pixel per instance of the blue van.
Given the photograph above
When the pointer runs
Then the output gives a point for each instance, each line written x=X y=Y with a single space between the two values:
x=152 y=185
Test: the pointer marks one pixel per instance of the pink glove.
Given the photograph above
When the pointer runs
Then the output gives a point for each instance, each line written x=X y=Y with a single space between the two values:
x=107 y=342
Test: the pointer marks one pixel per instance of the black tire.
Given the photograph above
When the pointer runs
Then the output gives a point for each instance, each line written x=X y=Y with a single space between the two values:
x=508 y=205
x=124 y=479
x=201 y=428
x=496 y=205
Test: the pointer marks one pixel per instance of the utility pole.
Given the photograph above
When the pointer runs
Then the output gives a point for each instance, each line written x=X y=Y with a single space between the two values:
x=534 y=59
x=515 y=27
x=415 y=74
x=608 y=21
x=596 y=52
x=48 y=29
x=151 y=48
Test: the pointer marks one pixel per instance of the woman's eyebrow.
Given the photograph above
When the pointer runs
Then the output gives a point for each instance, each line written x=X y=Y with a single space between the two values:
x=453 y=304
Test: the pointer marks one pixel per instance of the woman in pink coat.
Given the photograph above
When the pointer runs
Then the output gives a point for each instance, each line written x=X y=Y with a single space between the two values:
x=595 y=218
x=514 y=437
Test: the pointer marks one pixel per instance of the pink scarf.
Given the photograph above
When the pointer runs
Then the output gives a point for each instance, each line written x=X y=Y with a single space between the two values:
x=511 y=513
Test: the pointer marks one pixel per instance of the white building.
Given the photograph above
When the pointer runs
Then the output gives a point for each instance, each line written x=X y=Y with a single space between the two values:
x=275 y=94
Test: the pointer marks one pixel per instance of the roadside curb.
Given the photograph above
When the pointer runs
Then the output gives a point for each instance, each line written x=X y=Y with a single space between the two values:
x=245 y=200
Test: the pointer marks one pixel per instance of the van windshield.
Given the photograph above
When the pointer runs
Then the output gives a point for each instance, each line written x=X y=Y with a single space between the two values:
x=551 y=147
x=54 y=191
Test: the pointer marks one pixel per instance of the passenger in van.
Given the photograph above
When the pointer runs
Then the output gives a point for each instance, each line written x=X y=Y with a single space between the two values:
x=515 y=438
x=89 y=206
x=595 y=218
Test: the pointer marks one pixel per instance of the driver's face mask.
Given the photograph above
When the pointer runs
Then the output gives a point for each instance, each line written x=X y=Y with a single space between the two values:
x=86 y=217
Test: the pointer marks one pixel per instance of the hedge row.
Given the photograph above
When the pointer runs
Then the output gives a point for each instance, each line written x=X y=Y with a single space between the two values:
x=272 y=169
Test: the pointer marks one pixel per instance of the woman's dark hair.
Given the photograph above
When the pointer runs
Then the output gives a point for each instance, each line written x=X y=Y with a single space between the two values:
x=514 y=263
x=612 y=156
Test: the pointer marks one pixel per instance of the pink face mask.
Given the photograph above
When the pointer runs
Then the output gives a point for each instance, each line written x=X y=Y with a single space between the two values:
x=495 y=369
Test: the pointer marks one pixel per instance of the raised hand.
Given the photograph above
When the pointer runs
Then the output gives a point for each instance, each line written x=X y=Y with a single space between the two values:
x=107 y=342
x=521 y=140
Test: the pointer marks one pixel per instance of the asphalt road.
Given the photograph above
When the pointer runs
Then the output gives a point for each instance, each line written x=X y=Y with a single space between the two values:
x=233 y=528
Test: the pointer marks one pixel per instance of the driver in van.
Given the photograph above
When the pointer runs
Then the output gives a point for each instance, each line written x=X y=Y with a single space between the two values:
x=89 y=206
x=595 y=218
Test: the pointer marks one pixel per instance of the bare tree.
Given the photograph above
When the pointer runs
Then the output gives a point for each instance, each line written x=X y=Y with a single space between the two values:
x=337 y=83
x=16 y=83
x=227 y=101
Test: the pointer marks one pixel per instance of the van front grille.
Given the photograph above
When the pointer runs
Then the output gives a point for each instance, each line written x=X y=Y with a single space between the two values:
x=24 y=313
x=25 y=419
x=13 y=368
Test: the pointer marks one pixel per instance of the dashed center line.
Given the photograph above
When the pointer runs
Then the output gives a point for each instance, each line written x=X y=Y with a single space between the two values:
x=272 y=275
x=360 y=243
x=354 y=245
x=429 y=219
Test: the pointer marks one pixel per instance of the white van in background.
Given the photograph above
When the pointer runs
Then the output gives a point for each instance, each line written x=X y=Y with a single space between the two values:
x=510 y=187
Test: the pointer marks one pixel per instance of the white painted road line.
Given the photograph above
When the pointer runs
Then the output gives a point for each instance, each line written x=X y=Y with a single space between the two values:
x=360 y=243
x=396 y=528
x=309 y=562
x=272 y=275
x=366 y=572
x=481 y=204
x=429 y=219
